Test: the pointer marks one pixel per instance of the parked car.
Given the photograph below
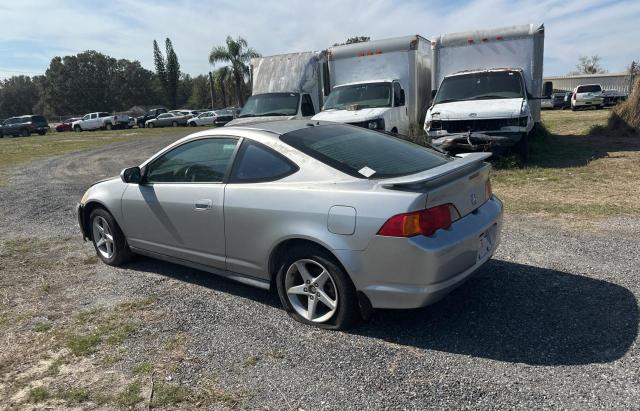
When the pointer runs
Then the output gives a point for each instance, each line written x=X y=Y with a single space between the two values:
x=203 y=119
x=186 y=112
x=66 y=124
x=168 y=119
x=561 y=100
x=24 y=126
x=546 y=103
x=613 y=97
x=100 y=121
x=150 y=114
x=587 y=95
x=224 y=116
x=337 y=218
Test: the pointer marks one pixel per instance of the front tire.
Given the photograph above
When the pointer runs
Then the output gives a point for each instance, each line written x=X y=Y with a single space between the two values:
x=174 y=124
x=108 y=126
x=315 y=290
x=150 y=125
x=107 y=238
x=77 y=129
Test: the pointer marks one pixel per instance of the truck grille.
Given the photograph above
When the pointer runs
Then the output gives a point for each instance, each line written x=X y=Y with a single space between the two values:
x=462 y=126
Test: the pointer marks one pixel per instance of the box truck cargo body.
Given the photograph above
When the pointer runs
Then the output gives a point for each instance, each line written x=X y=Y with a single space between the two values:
x=284 y=86
x=486 y=82
x=381 y=84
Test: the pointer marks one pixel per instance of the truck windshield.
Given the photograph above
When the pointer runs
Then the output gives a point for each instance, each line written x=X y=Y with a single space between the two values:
x=481 y=86
x=362 y=95
x=271 y=104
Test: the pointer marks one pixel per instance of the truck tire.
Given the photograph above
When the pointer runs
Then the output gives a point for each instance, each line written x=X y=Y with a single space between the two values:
x=77 y=128
x=522 y=148
x=108 y=126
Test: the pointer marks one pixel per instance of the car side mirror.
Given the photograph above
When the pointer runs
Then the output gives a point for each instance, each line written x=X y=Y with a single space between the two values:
x=547 y=88
x=131 y=175
x=433 y=93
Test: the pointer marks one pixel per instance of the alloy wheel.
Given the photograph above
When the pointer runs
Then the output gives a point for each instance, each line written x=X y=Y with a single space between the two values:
x=103 y=237
x=311 y=290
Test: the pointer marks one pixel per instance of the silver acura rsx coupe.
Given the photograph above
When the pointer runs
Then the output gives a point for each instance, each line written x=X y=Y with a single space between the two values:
x=338 y=219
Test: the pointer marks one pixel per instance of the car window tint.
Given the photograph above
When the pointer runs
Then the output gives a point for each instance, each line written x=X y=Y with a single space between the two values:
x=363 y=153
x=396 y=94
x=307 y=106
x=257 y=163
x=199 y=161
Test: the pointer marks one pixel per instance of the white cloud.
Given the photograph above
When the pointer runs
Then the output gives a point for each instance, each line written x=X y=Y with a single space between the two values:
x=126 y=28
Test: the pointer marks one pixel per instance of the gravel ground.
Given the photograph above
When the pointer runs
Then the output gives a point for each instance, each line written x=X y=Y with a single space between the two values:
x=550 y=322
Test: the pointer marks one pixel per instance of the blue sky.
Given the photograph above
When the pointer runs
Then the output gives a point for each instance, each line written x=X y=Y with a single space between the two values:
x=34 y=31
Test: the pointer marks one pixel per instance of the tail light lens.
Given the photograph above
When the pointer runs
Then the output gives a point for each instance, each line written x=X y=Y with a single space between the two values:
x=574 y=96
x=423 y=222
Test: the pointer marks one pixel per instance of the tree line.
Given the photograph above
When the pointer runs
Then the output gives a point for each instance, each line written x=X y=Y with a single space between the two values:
x=92 y=81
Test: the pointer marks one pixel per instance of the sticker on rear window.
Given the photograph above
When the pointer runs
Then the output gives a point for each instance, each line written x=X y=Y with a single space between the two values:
x=366 y=171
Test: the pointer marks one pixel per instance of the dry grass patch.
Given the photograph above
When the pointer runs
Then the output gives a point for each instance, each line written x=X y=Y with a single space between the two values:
x=578 y=169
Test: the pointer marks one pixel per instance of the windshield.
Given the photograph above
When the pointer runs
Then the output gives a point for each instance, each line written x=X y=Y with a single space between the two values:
x=271 y=104
x=362 y=95
x=363 y=153
x=589 y=89
x=481 y=86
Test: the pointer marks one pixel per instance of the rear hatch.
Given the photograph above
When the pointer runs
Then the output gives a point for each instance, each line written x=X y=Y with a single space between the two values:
x=463 y=182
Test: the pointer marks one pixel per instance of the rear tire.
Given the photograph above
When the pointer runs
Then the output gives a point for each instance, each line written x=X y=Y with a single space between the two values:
x=174 y=124
x=107 y=238
x=108 y=126
x=325 y=281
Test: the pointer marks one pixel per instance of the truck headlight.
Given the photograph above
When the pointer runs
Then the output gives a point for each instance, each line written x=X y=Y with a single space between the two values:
x=377 y=124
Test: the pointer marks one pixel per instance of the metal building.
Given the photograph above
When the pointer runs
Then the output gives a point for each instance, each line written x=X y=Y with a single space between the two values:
x=620 y=82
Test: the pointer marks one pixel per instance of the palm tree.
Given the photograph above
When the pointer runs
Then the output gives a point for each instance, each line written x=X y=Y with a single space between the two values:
x=221 y=77
x=238 y=54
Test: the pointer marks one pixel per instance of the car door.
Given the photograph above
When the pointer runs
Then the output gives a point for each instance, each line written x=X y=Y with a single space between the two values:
x=400 y=111
x=177 y=210
x=10 y=126
x=251 y=220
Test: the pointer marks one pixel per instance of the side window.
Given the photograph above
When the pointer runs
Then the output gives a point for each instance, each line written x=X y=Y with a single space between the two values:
x=397 y=100
x=257 y=163
x=199 y=161
x=94 y=115
x=86 y=117
x=307 y=106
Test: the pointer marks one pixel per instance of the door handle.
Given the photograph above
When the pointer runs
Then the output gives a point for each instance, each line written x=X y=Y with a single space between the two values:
x=203 y=204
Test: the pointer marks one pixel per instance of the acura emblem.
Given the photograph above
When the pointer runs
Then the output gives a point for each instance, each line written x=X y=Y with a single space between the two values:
x=474 y=199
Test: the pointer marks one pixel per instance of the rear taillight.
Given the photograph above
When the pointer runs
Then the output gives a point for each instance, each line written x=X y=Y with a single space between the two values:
x=423 y=222
x=574 y=97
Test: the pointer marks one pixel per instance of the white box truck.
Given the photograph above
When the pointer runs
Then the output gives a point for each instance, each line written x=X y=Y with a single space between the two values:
x=285 y=86
x=487 y=86
x=381 y=84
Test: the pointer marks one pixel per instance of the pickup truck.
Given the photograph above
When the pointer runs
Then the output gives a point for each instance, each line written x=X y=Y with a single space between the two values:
x=587 y=95
x=150 y=114
x=100 y=121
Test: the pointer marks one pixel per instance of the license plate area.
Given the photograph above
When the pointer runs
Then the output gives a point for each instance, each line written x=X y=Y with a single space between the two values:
x=485 y=245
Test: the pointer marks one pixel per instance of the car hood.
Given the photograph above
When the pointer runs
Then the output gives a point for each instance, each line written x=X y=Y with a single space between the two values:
x=258 y=119
x=351 y=116
x=464 y=110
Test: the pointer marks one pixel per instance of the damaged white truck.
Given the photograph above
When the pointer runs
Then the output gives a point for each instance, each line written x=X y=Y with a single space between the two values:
x=487 y=87
x=285 y=86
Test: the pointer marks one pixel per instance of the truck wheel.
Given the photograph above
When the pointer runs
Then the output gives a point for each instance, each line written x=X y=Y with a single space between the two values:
x=174 y=124
x=522 y=148
x=109 y=126
x=77 y=129
x=42 y=133
x=150 y=125
x=25 y=132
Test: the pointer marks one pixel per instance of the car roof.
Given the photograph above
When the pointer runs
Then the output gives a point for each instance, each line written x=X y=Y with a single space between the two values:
x=282 y=126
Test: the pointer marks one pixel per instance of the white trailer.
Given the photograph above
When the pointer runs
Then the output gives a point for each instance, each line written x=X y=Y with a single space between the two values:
x=285 y=86
x=487 y=86
x=381 y=84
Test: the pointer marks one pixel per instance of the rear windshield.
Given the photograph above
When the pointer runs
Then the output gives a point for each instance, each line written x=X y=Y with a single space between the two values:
x=363 y=153
x=594 y=88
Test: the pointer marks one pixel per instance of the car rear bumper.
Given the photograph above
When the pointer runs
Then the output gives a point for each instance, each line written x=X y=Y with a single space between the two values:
x=409 y=273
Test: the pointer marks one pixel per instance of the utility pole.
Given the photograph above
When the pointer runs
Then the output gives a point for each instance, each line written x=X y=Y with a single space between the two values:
x=211 y=88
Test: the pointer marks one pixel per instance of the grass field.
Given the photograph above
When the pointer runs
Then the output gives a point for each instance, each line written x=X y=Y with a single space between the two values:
x=578 y=169
x=18 y=150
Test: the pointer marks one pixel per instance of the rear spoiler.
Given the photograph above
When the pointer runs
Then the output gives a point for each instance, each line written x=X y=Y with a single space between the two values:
x=465 y=160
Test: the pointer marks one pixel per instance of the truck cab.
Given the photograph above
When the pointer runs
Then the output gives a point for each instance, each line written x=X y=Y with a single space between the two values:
x=494 y=102
x=267 y=106
x=377 y=105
